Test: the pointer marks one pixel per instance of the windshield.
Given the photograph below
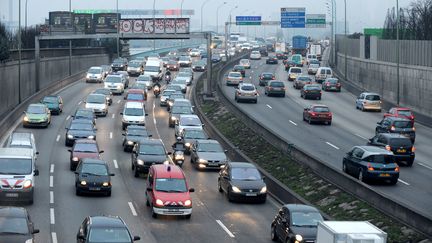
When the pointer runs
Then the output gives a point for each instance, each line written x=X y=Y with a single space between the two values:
x=155 y=149
x=50 y=99
x=137 y=132
x=98 y=99
x=332 y=81
x=277 y=84
x=400 y=142
x=183 y=74
x=305 y=218
x=36 y=109
x=95 y=70
x=94 y=169
x=86 y=147
x=267 y=75
x=190 y=121
x=13 y=225
x=135 y=97
x=133 y=112
x=84 y=113
x=15 y=166
x=168 y=92
x=239 y=68
x=296 y=58
x=184 y=58
x=403 y=124
x=81 y=126
x=235 y=75
x=194 y=134
x=321 y=109
x=245 y=174
x=373 y=97
x=295 y=70
x=181 y=110
x=113 y=79
x=170 y=185
x=172 y=63
x=210 y=147
x=107 y=235
x=152 y=68
x=312 y=87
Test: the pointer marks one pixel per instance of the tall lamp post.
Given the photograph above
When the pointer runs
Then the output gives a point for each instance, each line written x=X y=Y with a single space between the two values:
x=19 y=51
x=334 y=30
x=70 y=41
x=346 y=42
x=202 y=9
x=217 y=16
x=118 y=30
x=154 y=24
x=397 y=53
x=230 y=12
x=181 y=16
x=26 y=14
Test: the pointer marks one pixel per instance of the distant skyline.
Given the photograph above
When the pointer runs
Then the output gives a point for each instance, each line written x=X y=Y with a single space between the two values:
x=360 y=14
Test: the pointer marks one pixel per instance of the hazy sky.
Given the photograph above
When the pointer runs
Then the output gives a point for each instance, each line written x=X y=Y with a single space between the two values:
x=360 y=13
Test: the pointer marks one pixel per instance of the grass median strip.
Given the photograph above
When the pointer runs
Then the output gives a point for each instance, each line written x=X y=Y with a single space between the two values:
x=327 y=197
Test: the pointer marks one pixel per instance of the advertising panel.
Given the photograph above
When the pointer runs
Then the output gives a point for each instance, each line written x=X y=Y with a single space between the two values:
x=161 y=26
x=105 y=23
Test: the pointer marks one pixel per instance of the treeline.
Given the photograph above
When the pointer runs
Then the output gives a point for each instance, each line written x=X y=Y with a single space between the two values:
x=415 y=22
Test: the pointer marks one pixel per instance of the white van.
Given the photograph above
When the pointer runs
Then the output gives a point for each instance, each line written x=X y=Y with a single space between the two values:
x=17 y=172
x=154 y=69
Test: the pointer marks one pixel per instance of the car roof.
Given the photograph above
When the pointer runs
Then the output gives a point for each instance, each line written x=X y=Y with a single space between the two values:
x=15 y=212
x=21 y=138
x=16 y=152
x=276 y=81
x=94 y=94
x=93 y=161
x=300 y=208
x=369 y=93
x=247 y=84
x=394 y=118
x=37 y=104
x=267 y=73
x=401 y=108
x=110 y=221
x=234 y=72
x=319 y=105
x=168 y=171
x=135 y=91
x=188 y=115
x=234 y=164
x=213 y=141
x=136 y=127
x=373 y=150
x=150 y=141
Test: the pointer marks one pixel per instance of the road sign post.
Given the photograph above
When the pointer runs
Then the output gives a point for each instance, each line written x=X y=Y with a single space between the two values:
x=293 y=17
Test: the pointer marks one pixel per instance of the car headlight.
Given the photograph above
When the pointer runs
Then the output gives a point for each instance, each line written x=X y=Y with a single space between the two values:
x=298 y=238
x=91 y=137
x=124 y=120
x=187 y=203
x=105 y=184
x=236 y=189
x=29 y=241
x=179 y=157
x=83 y=183
x=26 y=118
x=27 y=184
x=187 y=145
x=173 y=118
x=159 y=202
x=130 y=142
x=202 y=161
x=263 y=190
x=75 y=159
x=140 y=162
x=119 y=86
x=69 y=136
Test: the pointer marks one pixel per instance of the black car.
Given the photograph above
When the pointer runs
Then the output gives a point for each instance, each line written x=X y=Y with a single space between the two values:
x=263 y=51
x=241 y=180
x=106 y=92
x=396 y=125
x=190 y=135
x=119 y=64
x=401 y=146
x=369 y=163
x=147 y=152
x=281 y=56
x=289 y=64
x=133 y=135
x=78 y=129
x=86 y=114
x=54 y=103
x=265 y=77
x=93 y=176
x=272 y=60
x=296 y=223
x=311 y=91
x=104 y=229
x=16 y=225
x=239 y=68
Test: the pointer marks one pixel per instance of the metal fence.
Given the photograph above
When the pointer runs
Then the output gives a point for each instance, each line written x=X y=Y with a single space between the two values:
x=412 y=52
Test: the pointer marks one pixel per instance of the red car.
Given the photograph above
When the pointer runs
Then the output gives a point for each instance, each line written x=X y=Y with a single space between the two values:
x=172 y=65
x=83 y=148
x=136 y=95
x=400 y=112
x=168 y=192
x=317 y=113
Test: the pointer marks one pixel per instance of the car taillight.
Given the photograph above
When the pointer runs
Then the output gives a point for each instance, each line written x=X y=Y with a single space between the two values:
x=283 y=88
x=397 y=169
x=273 y=78
x=414 y=129
x=411 y=117
x=364 y=102
x=413 y=149
x=313 y=114
x=388 y=147
x=327 y=84
x=238 y=93
x=392 y=128
x=338 y=84
x=270 y=88
x=370 y=168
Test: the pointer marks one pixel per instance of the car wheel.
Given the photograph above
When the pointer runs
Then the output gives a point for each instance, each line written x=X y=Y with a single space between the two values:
x=124 y=148
x=361 y=176
x=136 y=173
x=108 y=194
x=344 y=168
x=154 y=215
x=71 y=167
x=132 y=166
x=219 y=186
x=273 y=234
x=230 y=199
x=310 y=121
x=362 y=108
x=410 y=163
x=147 y=202
x=329 y=123
x=77 y=192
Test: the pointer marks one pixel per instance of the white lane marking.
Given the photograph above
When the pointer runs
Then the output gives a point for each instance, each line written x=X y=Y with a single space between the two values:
x=51 y=197
x=426 y=166
x=118 y=101
x=113 y=116
x=52 y=217
x=79 y=103
x=111 y=135
x=295 y=124
x=332 y=145
x=51 y=182
x=225 y=228
x=404 y=182
x=58 y=138
x=68 y=117
x=269 y=106
x=360 y=136
x=115 y=164
x=54 y=237
x=132 y=208
x=154 y=119
x=52 y=168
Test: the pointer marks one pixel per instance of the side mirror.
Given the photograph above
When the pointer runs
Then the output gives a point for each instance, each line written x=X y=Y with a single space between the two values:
x=149 y=189
x=169 y=153
x=225 y=150
x=36 y=172
x=37 y=152
x=81 y=237
x=284 y=221
x=121 y=113
x=150 y=136
x=112 y=174
x=191 y=190
x=35 y=231
x=124 y=97
x=146 y=114
x=136 y=238
x=101 y=152
x=123 y=134
x=76 y=172
x=70 y=150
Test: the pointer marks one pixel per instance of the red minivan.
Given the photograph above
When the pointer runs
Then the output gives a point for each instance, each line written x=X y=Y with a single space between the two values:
x=168 y=192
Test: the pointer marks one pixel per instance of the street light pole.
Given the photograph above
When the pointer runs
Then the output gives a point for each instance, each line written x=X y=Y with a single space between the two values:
x=26 y=14
x=118 y=30
x=70 y=41
x=397 y=53
x=217 y=16
x=154 y=24
x=202 y=9
x=181 y=16
x=346 y=42
x=19 y=52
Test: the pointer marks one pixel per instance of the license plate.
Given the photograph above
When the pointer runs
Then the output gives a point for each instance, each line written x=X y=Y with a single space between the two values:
x=94 y=189
x=333 y=88
x=251 y=194
x=173 y=210
x=11 y=194
x=385 y=175
x=401 y=150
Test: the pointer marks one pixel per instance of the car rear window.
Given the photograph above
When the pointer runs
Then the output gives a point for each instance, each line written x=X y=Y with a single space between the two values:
x=306 y=79
x=235 y=75
x=329 y=71
x=295 y=70
x=268 y=75
x=312 y=87
x=277 y=84
x=247 y=87
x=400 y=142
x=332 y=81
x=321 y=109
x=373 y=97
x=403 y=124
x=405 y=113
x=380 y=159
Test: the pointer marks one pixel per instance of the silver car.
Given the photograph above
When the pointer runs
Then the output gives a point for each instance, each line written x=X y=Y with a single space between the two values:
x=95 y=74
x=165 y=95
x=234 y=78
x=145 y=79
x=208 y=154
x=187 y=121
x=246 y=92
x=187 y=77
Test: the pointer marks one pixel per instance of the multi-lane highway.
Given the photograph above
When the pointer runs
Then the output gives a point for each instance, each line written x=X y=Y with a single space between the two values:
x=58 y=212
x=349 y=127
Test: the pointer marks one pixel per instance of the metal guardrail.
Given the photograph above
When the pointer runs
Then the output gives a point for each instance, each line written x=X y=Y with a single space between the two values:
x=397 y=210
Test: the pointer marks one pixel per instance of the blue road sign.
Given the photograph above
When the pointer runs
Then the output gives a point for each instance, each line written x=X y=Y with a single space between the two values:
x=293 y=17
x=248 y=18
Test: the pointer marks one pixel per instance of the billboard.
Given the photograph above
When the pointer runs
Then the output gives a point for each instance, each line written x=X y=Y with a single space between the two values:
x=160 y=26
x=105 y=23
x=60 y=21
x=83 y=23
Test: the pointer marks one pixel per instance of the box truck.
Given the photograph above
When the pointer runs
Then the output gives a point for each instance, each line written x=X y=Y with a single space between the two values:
x=349 y=232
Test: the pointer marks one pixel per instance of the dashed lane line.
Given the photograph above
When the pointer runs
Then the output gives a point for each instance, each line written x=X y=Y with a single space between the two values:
x=54 y=237
x=111 y=135
x=132 y=208
x=52 y=168
x=269 y=106
x=51 y=181
x=332 y=145
x=295 y=124
x=225 y=228
x=404 y=182
x=113 y=116
x=115 y=164
x=426 y=166
x=52 y=216
x=51 y=197
x=58 y=138
x=360 y=136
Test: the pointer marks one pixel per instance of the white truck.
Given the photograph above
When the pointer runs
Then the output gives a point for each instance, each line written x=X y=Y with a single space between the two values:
x=316 y=49
x=280 y=46
x=349 y=232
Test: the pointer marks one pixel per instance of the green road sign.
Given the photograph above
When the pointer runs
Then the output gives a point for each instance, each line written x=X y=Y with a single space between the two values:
x=248 y=23
x=316 y=21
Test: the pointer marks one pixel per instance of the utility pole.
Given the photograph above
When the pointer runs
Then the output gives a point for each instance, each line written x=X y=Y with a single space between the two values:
x=397 y=53
x=346 y=43
x=70 y=41
x=19 y=52
x=118 y=29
